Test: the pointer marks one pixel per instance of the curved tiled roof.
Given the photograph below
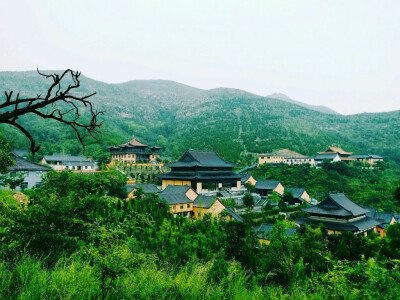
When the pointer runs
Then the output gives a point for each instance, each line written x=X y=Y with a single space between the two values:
x=148 y=188
x=132 y=143
x=337 y=205
x=204 y=201
x=22 y=164
x=360 y=225
x=297 y=192
x=335 y=150
x=267 y=184
x=193 y=158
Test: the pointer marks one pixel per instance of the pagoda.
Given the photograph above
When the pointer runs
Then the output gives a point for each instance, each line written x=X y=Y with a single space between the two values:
x=204 y=171
x=134 y=152
x=339 y=214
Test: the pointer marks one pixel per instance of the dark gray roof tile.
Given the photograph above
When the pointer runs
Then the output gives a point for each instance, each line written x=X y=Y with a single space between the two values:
x=22 y=164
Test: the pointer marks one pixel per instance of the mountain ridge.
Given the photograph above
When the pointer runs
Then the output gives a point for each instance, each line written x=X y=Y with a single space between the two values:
x=232 y=122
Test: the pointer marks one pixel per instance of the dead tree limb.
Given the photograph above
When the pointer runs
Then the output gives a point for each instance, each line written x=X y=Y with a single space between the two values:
x=59 y=103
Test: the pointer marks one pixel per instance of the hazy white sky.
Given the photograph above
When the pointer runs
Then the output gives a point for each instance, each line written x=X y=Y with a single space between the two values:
x=342 y=54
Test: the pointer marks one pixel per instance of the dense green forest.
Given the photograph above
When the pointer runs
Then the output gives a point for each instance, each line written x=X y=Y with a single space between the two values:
x=77 y=238
x=176 y=117
x=371 y=187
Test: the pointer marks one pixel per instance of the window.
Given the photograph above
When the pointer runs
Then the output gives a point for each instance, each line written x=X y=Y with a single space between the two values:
x=181 y=206
x=24 y=185
x=188 y=206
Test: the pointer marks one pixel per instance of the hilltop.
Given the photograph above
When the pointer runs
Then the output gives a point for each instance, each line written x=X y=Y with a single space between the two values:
x=320 y=108
x=177 y=116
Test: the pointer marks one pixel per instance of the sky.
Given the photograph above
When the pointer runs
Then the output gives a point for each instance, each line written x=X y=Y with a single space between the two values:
x=341 y=54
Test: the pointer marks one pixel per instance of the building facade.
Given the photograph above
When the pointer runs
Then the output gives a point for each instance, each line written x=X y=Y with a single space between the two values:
x=31 y=172
x=271 y=159
x=371 y=159
x=339 y=214
x=134 y=152
x=60 y=162
x=300 y=161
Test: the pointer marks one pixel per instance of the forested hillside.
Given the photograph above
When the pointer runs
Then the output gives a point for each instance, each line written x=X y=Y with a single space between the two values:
x=176 y=117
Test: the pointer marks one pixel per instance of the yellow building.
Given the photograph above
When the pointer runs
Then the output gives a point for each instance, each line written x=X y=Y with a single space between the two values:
x=271 y=158
x=134 y=152
x=184 y=201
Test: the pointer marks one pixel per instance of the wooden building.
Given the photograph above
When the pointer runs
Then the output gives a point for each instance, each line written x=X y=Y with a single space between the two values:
x=134 y=152
x=266 y=187
x=202 y=170
x=339 y=214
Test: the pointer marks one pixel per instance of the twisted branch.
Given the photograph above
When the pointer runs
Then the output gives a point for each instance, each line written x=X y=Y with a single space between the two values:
x=13 y=108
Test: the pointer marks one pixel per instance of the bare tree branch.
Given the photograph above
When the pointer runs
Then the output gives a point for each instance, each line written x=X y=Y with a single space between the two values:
x=69 y=114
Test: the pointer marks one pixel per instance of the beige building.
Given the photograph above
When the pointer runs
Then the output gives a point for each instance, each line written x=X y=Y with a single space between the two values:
x=184 y=201
x=271 y=159
x=134 y=152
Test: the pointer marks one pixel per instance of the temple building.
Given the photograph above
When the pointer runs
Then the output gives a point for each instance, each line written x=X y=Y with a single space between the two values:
x=134 y=152
x=300 y=195
x=204 y=171
x=267 y=187
x=339 y=214
x=343 y=155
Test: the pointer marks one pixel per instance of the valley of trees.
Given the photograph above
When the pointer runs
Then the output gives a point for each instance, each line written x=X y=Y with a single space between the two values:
x=76 y=237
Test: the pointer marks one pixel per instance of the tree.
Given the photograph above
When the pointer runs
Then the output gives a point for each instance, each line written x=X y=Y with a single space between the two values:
x=274 y=197
x=288 y=197
x=58 y=103
x=5 y=159
x=397 y=194
x=13 y=180
x=251 y=188
x=248 y=200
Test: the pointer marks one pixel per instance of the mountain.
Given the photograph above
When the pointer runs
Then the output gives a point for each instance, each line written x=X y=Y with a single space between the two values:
x=319 y=108
x=230 y=121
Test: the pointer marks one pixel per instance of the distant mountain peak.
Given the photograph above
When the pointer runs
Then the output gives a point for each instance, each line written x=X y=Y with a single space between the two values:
x=320 y=108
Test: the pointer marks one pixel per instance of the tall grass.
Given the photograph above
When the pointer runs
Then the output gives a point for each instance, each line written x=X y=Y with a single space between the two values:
x=148 y=278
